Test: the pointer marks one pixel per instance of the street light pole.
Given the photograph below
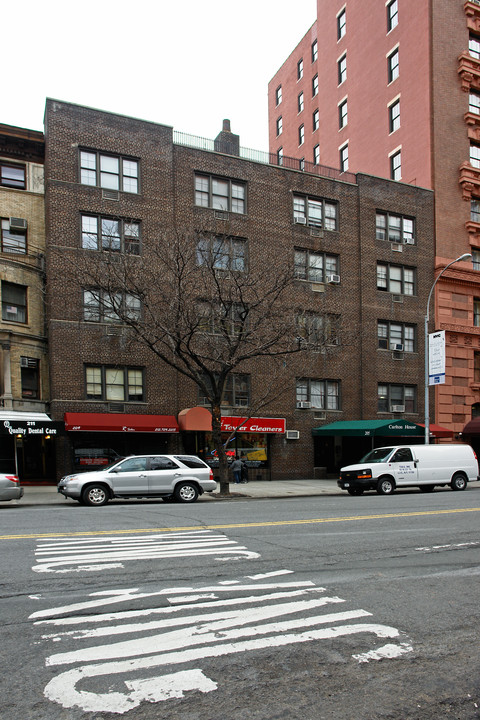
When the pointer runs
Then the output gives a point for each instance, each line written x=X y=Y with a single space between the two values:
x=465 y=256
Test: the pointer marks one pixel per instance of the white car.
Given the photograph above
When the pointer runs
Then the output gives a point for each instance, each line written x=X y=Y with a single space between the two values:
x=180 y=478
x=10 y=487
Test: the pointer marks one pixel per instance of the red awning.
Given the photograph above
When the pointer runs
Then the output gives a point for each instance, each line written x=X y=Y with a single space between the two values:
x=472 y=427
x=198 y=419
x=438 y=431
x=120 y=422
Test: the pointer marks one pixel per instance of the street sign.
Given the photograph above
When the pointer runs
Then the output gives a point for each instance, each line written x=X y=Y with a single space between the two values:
x=436 y=358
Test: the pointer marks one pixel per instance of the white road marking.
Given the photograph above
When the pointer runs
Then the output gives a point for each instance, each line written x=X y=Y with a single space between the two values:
x=452 y=546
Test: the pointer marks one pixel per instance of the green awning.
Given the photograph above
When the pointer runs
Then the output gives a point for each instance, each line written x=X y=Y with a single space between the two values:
x=370 y=428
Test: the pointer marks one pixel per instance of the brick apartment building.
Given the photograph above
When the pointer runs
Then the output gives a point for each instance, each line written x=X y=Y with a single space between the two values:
x=26 y=432
x=393 y=89
x=103 y=168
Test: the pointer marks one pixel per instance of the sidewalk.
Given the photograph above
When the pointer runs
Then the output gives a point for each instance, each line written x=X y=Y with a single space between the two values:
x=47 y=494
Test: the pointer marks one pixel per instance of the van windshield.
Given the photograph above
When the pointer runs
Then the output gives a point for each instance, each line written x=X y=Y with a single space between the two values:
x=378 y=455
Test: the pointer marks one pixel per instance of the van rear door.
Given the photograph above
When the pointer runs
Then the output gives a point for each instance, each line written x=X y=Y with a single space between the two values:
x=404 y=467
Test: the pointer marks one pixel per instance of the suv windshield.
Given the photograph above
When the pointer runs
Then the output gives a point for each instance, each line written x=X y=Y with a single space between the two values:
x=376 y=456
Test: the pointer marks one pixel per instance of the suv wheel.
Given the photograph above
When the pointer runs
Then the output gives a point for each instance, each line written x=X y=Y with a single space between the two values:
x=186 y=492
x=95 y=495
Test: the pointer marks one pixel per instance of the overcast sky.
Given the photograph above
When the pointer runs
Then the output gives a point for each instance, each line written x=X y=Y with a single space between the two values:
x=184 y=63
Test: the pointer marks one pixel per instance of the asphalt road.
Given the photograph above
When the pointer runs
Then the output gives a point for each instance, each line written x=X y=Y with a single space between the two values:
x=330 y=607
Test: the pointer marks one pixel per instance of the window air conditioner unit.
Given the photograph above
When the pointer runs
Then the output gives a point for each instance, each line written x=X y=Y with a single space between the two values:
x=116 y=407
x=320 y=416
x=17 y=223
x=110 y=195
x=304 y=405
x=220 y=215
x=396 y=247
x=300 y=220
x=397 y=298
x=409 y=241
x=316 y=232
x=397 y=408
x=396 y=346
x=27 y=362
x=333 y=279
x=292 y=434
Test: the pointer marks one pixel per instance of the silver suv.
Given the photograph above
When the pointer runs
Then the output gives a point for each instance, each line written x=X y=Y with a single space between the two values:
x=180 y=478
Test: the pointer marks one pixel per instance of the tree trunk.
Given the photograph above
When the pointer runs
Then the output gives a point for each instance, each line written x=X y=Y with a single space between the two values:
x=220 y=448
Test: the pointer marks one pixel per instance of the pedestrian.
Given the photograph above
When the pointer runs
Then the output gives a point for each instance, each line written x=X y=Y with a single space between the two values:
x=244 y=470
x=236 y=467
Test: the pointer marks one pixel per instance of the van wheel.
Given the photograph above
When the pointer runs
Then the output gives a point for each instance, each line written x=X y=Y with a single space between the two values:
x=186 y=492
x=426 y=488
x=459 y=482
x=95 y=495
x=385 y=486
x=355 y=491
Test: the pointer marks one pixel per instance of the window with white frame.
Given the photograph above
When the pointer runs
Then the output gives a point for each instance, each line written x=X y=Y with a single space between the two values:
x=314 y=51
x=315 y=120
x=222 y=253
x=396 y=166
x=280 y=156
x=279 y=125
x=476 y=259
x=14 y=240
x=111 y=172
x=393 y=67
x=342 y=69
x=278 y=95
x=395 y=228
x=392 y=15
x=301 y=134
x=394 y=116
x=235 y=394
x=114 y=234
x=14 y=302
x=315 y=85
x=344 y=158
x=316 y=212
x=396 y=336
x=110 y=307
x=474 y=46
x=12 y=175
x=300 y=103
x=474 y=103
x=314 y=266
x=318 y=330
x=475 y=155
x=341 y=24
x=316 y=155
x=475 y=210
x=220 y=193
x=114 y=384
x=318 y=394
x=300 y=69
x=397 y=398
x=342 y=114
x=396 y=279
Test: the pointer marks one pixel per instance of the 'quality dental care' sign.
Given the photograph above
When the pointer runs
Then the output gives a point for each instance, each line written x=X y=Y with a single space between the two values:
x=27 y=428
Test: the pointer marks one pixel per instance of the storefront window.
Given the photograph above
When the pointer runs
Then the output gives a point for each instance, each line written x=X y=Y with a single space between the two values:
x=251 y=447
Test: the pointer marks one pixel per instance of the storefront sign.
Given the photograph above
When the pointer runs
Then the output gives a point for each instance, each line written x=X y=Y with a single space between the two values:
x=254 y=425
x=27 y=428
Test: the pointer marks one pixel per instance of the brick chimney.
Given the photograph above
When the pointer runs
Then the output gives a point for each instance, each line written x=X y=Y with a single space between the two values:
x=226 y=142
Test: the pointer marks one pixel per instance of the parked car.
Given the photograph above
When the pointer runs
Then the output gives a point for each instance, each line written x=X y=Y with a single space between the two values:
x=10 y=487
x=180 y=478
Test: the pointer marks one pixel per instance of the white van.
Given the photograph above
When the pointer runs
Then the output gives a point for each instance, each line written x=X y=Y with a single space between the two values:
x=422 y=466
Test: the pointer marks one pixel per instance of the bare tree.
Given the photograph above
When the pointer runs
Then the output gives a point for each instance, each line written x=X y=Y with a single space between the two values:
x=196 y=302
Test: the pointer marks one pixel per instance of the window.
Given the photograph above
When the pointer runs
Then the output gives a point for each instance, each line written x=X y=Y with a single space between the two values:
x=474 y=46
x=314 y=266
x=300 y=102
x=316 y=155
x=391 y=397
x=280 y=156
x=279 y=125
x=318 y=394
x=109 y=171
x=101 y=306
x=222 y=253
x=344 y=158
x=341 y=24
x=300 y=69
x=314 y=51
x=475 y=210
x=342 y=69
x=278 y=95
x=476 y=259
x=12 y=176
x=29 y=377
x=318 y=330
x=115 y=384
x=316 y=212
x=475 y=155
x=315 y=85
x=393 y=66
x=395 y=228
x=220 y=193
x=476 y=366
x=474 y=103
x=13 y=239
x=301 y=134
x=394 y=116
x=227 y=320
x=476 y=312
x=392 y=15
x=396 y=166
x=315 y=120
x=236 y=392
x=391 y=335
x=396 y=279
x=14 y=302
x=103 y=233
x=342 y=114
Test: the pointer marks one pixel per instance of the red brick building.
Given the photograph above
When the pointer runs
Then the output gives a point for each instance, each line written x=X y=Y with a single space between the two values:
x=393 y=89
x=105 y=169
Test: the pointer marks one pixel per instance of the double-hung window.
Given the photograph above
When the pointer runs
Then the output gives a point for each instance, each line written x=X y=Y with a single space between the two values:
x=476 y=312
x=475 y=155
x=235 y=394
x=301 y=135
x=318 y=394
x=115 y=384
x=222 y=253
x=279 y=125
x=300 y=103
x=392 y=15
x=341 y=24
x=14 y=240
x=315 y=120
x=474 y=46
x=14 y=302
x=317 y=330
x=316 y=155
x=314 y=266
x=344 y=158
x=342 y=69
x=102 y=306
x=300 y=69
x=111 y=172
x=315 y=85
x=115 y=234
x=394 y=116
x=393 y=68
x=220 y=193
x=228 y=319
x=342 y=114
x=278 y=95
x=316 y=212
x=314 y=51
x=396 y=279
x=12 y=176
x=396 y=336
x=474 y=103
x=395 y=228
x=476 y=259
x=396 y=166
x=397 y=398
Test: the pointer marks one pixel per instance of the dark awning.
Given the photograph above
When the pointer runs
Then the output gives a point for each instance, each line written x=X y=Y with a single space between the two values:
x=370 y=428
x=120 y=422
x=472 y=427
